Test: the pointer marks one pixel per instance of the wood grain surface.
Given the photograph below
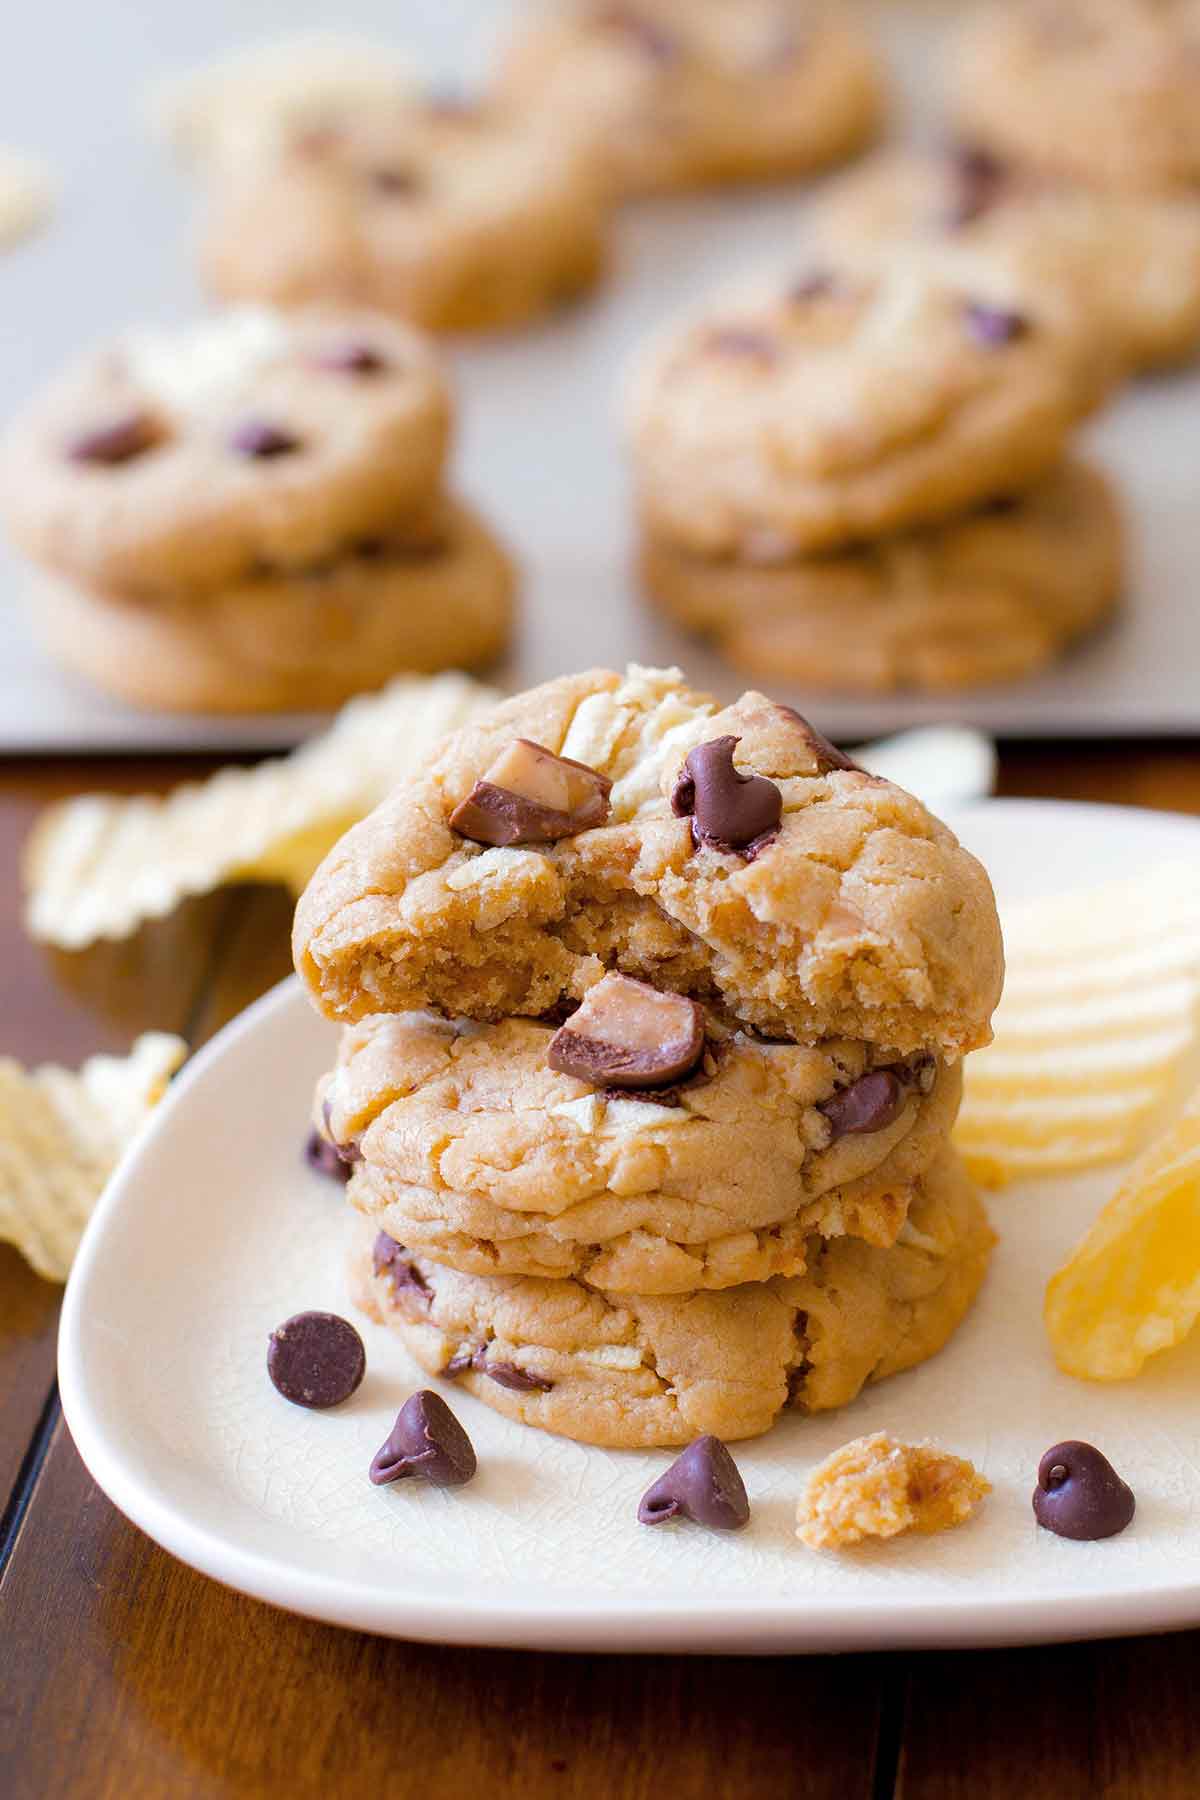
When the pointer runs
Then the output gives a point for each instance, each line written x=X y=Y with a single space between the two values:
x=124 y=1674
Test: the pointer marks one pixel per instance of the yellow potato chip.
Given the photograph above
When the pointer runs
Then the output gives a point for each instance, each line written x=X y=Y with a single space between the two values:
x=99 y=866
x=1099 y=1020
x=1132 y=1287
x=61 y=1136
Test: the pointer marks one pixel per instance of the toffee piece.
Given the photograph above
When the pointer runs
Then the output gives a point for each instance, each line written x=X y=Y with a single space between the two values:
x=628 y=1035
x=528 y=795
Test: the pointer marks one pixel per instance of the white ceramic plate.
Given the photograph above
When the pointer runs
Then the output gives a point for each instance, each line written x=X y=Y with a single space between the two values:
x=214 y=1231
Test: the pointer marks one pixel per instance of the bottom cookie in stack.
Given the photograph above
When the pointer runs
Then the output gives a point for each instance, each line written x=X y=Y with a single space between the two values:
x=623 y=1370
x=989 y=596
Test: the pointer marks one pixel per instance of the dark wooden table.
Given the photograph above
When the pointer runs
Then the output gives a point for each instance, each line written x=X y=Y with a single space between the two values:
x=123 y=1674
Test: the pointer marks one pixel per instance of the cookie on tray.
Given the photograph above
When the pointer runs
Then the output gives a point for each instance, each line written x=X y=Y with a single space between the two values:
x=858 y=396
x=680 y=95
x=181 y=461
x=299 y=640
x=604 y=822
x=1131 y=260
x=457 y=216
x=993 y=595
x=471 y=1144
x=1107 y=90
x=632 y=1371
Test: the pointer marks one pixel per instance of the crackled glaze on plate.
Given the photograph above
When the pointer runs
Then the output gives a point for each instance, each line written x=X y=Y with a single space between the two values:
x=215 y=1230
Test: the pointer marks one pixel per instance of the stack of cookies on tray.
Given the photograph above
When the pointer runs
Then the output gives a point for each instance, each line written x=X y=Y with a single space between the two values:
x=653 y=1014
x=251 y=514
x=855 y=475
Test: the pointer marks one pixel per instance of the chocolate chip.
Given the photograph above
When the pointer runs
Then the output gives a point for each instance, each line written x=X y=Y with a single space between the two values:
x=651 y=38
x=993 y=326
x=978 y=178
x=325 y=1158
x=259 y=438
x=389 y=1258
x=351 y=1151
x=811 y=287
x=350 y=359
x=871 y=1103
x=828 y=755
x=919 y=1071
x=703 y=1485
x=528 y=796
x=628 y=1035
x=508 y=1375
x=396 y=183
x=1079 y=1494
x=729 y=811
x=743 y=341
x=426 y=1440
x=461 y=1361
x=316 y=1359
x=117 y=443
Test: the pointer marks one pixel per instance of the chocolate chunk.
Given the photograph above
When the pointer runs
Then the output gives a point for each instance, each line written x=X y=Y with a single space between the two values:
x=117 y=443
x=1079 y=1494
x=530 y=796
x=396 y=183
x=628 y=1035
x=508 y=1375
x=259 y=438
x=868 y=1104
x=461 y=1361
x=316 y=1359
x=828 y=755
x=651 y=38
x=703 y=1485
x=426 y=1440
x=389 y=1258
x=729 y=811
x=326 y=1158
x=742 y=340
x=350 y=359
x=979 y=179
x=993 y=326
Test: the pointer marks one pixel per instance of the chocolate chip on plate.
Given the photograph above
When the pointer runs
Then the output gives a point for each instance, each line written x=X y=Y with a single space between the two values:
x=627 y=1034
x=316 y=1359
x=704 y=1485
x=729 y=810
x=428 y=1441
x=868 y=1104
x=1079 y=1494
x=993 y=326
x=260 y=438
x=325 y=1158
x=350 y=359
x=116 y=443
x=528 y=796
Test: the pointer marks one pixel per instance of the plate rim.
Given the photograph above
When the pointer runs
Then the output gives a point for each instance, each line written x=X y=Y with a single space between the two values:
x=568 y=1619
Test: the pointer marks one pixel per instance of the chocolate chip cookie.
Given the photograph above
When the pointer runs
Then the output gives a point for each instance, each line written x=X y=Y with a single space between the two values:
x=1130 y=261
x=457 y=216
x=1108 y=90
x=469 y=1144
x=857 y=397
x=730 y=855
x=630 y=1370
x=678 y=95
x=184 y=461
x=990 y=596
x=415 y=600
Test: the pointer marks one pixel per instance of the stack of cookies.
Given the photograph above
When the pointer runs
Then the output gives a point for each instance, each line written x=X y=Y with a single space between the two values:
x=251 y=515
x=653 y=1013
x=856 y=477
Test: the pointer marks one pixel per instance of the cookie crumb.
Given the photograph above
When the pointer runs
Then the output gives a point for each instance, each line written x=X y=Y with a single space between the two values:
x=878 y=1487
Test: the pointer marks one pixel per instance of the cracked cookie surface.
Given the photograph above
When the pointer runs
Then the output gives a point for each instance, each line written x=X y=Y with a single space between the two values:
x=860 y=917
x=630 y=1370
x=250 y=444
x=678 y=95
x=990 y=596
x=471 y=1149
x=856 y=396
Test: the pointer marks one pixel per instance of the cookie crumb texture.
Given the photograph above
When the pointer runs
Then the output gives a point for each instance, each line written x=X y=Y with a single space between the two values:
x=862 y=918
x=631 y=1370
x=876 y=1487
x=678 y=95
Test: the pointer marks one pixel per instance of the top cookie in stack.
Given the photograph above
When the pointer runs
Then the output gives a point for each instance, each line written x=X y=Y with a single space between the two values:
x=657 y=1000
x=854 y=474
